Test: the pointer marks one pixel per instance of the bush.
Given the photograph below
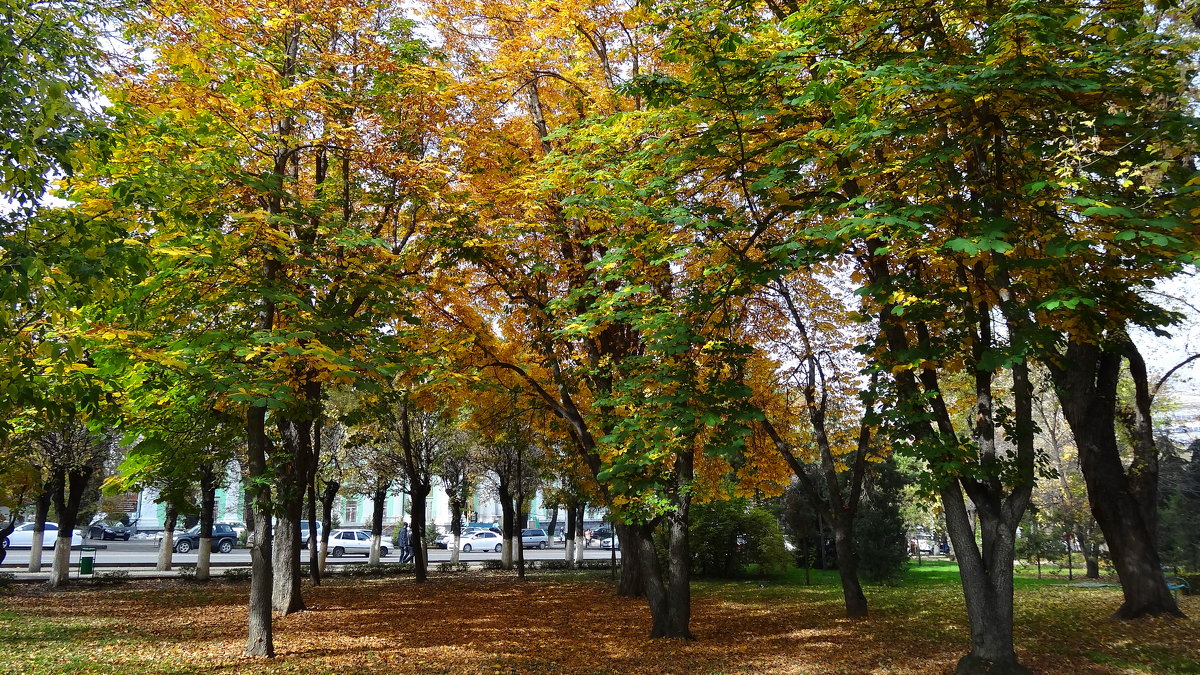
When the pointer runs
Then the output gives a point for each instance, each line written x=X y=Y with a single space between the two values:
x=112 y=577
x=238 y=574
x=453 y=566
x=377 y=570
x=555 y=564
x=7 y=579
x=879 y=531
x=727 y=537
x=493 y=565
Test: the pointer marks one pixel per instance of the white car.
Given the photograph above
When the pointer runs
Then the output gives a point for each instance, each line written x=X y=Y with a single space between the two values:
x=607 y=542
x=484 y=540
x=342 y=542
x=22 y=537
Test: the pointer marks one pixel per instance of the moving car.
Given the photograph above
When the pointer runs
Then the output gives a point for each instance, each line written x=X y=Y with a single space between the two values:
x=223 y=539
x=342 y=542
x=483 y=540
x=534 y=538
x=22 y=537
x=109 y=529
x=608 y=542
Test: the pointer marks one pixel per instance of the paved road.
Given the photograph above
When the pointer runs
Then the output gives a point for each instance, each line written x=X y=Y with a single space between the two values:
x=144 y=552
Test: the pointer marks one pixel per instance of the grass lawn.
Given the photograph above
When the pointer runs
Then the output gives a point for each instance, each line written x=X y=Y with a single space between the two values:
x=492 y=623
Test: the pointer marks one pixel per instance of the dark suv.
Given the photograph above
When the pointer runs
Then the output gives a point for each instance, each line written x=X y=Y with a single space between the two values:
x=109 y=529
x=223 y=539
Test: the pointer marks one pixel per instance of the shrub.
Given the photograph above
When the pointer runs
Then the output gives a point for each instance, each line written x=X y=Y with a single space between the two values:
x=377 y=570
x=239 y=574
x=459 y=566
x=555 y=564
x=879 y=530
x=187 y=572
x=727 y=537
x=493 y=565
x=7 y=579
x=111 y=577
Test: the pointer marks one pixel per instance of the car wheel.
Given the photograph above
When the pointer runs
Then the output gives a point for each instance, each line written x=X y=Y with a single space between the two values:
x=126 y=536
x=183 y=546
x=541 y=545
x=466 y=548
x=338 y=551
x=226 y=546
x=499 y=547
x=383 y=551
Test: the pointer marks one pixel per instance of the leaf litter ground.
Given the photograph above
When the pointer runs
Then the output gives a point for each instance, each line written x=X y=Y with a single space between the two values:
x=493 y=623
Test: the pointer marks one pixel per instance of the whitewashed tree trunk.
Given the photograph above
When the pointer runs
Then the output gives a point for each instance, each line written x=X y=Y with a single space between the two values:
x=165 y=549
x=203 y=559
x=376 y=543
x=579 y=546
x=456 y=548
x=506 y=555
x=569 y=549
x=35 y=550
x=61 y=571
x=323 y=546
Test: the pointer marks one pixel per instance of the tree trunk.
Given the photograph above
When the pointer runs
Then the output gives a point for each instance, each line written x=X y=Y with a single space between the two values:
x=987 y=581
x=455 y=529
x=416 y=538
x=552 y=526
x=327 y=497
x=286 y=597
x=507 y=518
x=569 y=536
x=1091 y=560
x=1086 y=388
x=260 y=639
x=580 y=543
x=315 y=566
x=847 y=561
x=41 y=512
x=167 y=546
x=377 y=523
x=74 y=481
x=208 y=504
x=632 y=583
x=296 y=434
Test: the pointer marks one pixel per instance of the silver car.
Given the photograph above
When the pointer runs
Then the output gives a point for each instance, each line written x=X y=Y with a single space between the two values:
x=534 y=538
x=342 y=542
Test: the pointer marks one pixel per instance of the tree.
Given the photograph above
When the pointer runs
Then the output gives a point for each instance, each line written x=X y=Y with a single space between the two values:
x=273 y=158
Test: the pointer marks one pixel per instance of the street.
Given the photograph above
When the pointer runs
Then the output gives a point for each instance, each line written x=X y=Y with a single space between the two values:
x=144 y=553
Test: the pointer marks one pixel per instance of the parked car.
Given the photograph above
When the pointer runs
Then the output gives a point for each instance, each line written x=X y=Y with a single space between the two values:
x=109 y=529
x=444 y=540
x=303 y=533
x=223 y=539
x=483 y=540
x=534 y=538
x=342 y=542
x=22 y=537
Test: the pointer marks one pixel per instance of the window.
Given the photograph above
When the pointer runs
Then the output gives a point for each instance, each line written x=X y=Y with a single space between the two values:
x=351 y=510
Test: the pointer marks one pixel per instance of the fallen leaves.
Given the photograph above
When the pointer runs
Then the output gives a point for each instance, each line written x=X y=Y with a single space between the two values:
x=496 y=624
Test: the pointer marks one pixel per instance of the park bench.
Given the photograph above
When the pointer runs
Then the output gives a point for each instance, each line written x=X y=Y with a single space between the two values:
x=1176 y=584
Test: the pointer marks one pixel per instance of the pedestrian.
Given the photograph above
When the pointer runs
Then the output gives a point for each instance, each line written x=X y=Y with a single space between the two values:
x=405 y=544
x=587 y=538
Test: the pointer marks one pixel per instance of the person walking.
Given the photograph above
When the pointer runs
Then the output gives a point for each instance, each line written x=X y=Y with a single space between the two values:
x=404 y=541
